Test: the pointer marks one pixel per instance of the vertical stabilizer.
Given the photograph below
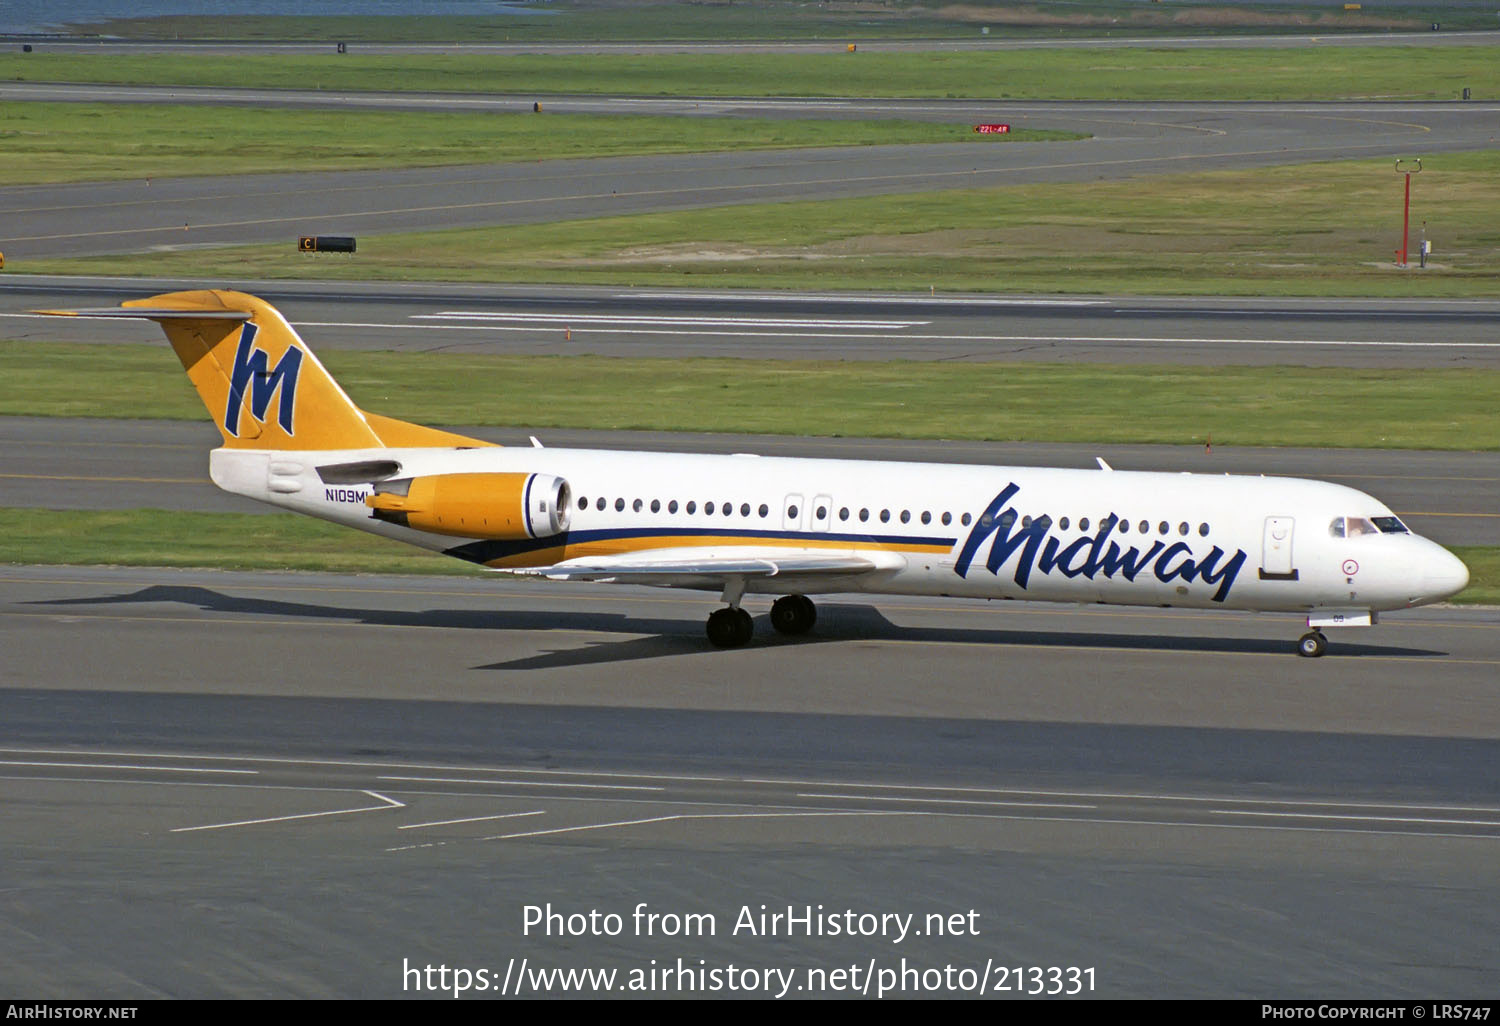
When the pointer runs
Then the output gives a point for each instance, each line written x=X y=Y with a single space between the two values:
x=261 y=385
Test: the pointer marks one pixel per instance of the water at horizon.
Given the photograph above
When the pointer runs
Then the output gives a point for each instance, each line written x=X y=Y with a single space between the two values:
x=34 y=16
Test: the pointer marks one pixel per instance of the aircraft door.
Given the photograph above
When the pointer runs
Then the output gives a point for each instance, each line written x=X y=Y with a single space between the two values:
x=1276 y=550
x=791 y=513
x=821 y=513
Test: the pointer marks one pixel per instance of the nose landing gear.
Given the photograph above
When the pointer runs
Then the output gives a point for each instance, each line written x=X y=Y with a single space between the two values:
x=1312 y=644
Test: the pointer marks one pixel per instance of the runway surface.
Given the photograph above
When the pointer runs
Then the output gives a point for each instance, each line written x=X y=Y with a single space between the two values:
x=1127 y=140
x=674 y=323
x=58 y=463
x=249 y=808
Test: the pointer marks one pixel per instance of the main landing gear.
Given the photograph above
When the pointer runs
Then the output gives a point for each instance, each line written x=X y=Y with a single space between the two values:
x=793 y=614
x=732 y=627
x=1312 y=644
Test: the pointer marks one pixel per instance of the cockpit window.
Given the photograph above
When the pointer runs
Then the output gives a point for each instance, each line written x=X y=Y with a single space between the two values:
x=1390 y=525
x=1353 y=527
x=1336 y=529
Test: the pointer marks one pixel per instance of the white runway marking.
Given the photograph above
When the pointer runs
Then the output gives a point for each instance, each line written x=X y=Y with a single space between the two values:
x=947 y=801
x=666 y=319
x=105 y=765
x=692 y=815
x=390 y=803
x=524 y=783
x=828 y=297
x=471 y=819
x=908 y=337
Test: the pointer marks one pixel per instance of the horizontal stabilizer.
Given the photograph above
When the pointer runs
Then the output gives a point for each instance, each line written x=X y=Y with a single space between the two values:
x=151 y=313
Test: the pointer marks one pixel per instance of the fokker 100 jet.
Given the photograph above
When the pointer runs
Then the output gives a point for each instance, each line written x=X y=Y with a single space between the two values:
x=786 y=527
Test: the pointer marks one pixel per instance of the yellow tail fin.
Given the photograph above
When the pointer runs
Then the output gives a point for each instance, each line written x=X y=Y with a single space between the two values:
x=261 y=384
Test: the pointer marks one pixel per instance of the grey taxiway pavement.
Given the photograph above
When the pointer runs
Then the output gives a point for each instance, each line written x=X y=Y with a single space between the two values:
x=549 y=320
x=1127 y=139
x=267 y=785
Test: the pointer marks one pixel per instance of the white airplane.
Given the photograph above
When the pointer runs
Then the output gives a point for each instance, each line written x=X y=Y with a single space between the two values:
x=787 y=527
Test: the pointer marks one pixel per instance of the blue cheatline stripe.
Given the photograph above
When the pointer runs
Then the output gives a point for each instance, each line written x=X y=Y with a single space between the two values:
x=526 y=506
x=487 y=550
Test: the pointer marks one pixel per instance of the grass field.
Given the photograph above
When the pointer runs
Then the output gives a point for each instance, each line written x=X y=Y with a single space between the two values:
x=1389 y=409
x=1437 y=73
x=68 y=142
x=1311 y=230
x=248 y=541
x=792 y=19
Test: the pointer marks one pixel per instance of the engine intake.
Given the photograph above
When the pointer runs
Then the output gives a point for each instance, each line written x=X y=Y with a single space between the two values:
x=505 y=507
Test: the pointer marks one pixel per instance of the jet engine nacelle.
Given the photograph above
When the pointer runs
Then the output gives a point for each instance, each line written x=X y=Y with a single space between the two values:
x=504 y=507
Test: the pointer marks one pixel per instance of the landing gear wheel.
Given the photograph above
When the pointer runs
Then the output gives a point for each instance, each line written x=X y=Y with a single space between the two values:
x=1312 y=644
x=793 y=614
x=729 y=628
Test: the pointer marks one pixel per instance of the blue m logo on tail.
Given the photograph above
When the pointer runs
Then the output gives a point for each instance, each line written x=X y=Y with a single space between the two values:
x=251 y=371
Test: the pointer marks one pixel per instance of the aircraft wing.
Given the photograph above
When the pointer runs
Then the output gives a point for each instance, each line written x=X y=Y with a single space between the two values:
x=688 y=569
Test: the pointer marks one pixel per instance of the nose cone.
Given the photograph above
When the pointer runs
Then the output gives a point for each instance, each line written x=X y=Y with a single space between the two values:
x=1443 y=575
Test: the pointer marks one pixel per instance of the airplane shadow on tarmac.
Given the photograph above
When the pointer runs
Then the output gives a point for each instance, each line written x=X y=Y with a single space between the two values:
x=840 y=623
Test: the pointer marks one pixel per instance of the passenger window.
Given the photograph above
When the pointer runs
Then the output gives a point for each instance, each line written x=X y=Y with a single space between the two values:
x=906 y=516
x=822 y=513
x=583 y=503
x=1182 y=528
x=1063 y=524
x=844 y=513
x=636 y=505
x=744 y=509
x=691 y=507
x=1124 y=526
x=1203 y=530
x=708 y=509
x=764 y=511
x=1163 y=527
x=947 y=518
x=1007 y=519
x=619 y=505
x=1026 y=520
x=1083 y=525
x=885 y=516
x=791 y=511
x=965 y=519
x=864 y=515
x=1144 y=527
x=672 y=506
x=926 y=517
x=656 y=505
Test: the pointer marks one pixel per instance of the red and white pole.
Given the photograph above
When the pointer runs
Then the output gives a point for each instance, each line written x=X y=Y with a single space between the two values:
x=1406 y=207
x=1405 y=219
